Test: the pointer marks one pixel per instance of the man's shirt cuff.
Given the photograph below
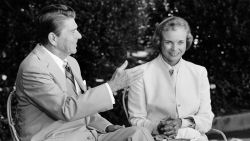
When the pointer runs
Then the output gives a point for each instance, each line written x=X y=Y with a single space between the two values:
x=110 y=93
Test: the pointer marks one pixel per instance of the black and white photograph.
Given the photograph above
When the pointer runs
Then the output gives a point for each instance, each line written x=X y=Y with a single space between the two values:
x=125 y=70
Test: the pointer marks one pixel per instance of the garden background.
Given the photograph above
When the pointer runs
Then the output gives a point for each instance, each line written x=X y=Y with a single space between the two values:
x=117 y=30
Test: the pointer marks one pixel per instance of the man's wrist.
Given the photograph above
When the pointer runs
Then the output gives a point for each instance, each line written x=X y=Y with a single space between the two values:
x=111 y=85
x=111 y=94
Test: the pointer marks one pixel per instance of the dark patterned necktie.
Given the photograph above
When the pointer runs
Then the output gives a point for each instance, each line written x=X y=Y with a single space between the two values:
x=70 y=77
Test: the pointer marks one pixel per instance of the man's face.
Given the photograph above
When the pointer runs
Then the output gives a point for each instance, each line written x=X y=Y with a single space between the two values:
x=67 y=40
x=173 y=45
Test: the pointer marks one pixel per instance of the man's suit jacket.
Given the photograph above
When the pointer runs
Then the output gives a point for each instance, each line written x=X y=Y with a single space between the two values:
x=47 y=111
x=153 y=97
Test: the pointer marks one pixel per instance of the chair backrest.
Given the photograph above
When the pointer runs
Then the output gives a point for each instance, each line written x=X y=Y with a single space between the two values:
x=124 y=102
x=11 y=122
x=125 y=108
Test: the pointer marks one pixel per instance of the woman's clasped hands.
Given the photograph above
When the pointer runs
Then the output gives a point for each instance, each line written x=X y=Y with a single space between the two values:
x=169 y=127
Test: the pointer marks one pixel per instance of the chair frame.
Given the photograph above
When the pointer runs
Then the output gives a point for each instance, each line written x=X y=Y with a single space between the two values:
x=11 y=122
x=124 y=104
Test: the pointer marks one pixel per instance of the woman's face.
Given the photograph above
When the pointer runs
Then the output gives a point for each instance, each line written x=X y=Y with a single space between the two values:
x=173 y=44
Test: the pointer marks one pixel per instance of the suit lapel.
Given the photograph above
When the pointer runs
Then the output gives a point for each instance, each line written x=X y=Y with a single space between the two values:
x=54 y=70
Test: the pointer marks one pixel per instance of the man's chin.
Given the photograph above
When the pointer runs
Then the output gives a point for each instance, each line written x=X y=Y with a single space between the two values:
x=74 y=51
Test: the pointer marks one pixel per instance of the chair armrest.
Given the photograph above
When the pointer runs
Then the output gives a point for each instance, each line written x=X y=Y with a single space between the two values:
x=218 y=132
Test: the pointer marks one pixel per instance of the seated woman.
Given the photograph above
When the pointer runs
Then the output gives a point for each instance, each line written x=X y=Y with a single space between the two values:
x=173 y=97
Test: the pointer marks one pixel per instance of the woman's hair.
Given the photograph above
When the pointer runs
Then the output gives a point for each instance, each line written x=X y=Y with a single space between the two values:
x=171 y=23
x=50 y=20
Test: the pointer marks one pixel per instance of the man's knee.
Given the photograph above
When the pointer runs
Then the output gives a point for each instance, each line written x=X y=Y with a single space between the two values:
x=137 y=129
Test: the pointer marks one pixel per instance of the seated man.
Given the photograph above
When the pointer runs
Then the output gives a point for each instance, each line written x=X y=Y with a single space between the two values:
x=53 y=101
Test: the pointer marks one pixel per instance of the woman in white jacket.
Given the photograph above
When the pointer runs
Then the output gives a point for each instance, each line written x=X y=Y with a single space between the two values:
x=173 y=97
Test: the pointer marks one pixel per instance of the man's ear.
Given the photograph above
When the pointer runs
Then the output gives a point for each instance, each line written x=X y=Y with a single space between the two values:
x=52 y=38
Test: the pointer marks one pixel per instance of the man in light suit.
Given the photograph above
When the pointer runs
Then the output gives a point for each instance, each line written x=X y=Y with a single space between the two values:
x=173 y=96
x=53 y=101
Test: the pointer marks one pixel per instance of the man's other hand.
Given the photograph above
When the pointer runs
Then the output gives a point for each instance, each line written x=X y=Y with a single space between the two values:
x=112 y=128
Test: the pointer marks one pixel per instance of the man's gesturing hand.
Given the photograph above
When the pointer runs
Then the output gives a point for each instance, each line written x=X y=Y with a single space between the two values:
x=122 y=77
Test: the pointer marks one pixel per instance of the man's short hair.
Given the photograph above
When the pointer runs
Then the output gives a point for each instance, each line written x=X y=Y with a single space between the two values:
x=50 y=20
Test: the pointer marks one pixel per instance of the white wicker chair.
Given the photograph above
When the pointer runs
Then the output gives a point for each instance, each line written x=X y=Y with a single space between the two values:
x=11 y=122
